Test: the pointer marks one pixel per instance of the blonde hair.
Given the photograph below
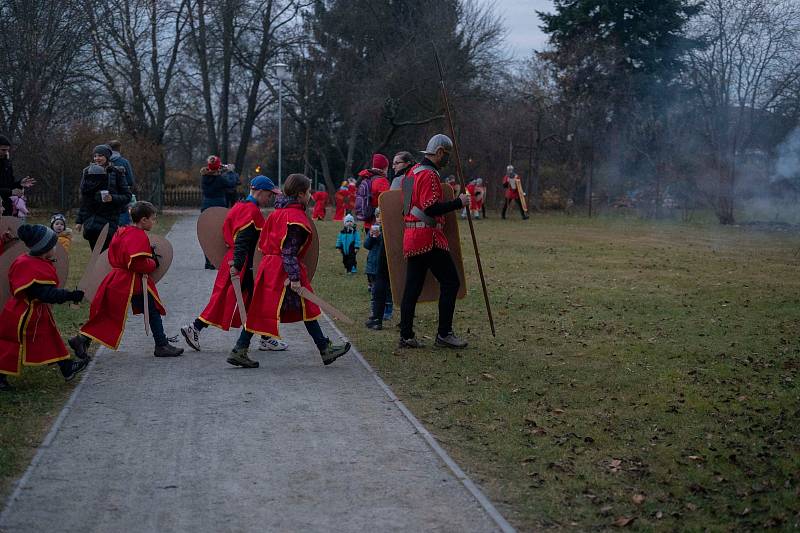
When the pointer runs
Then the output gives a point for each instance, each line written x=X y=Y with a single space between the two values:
x=296 y=184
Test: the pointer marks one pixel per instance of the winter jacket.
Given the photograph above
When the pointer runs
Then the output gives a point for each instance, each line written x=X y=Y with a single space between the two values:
x=214 y=185
x=375 y=247
x=348 y=240
x=7 y=184
x=118 y=161
x=93 y=212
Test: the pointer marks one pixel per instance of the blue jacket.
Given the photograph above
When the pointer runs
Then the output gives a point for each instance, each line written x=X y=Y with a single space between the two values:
x=348 y=240
x=375 y=247
x=214 y=185
x=119 y=161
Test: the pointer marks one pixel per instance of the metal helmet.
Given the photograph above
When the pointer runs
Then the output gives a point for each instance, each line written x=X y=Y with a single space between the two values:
x=439 y=140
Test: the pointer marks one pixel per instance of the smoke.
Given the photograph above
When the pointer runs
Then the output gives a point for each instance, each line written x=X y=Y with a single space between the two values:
x=787 y=164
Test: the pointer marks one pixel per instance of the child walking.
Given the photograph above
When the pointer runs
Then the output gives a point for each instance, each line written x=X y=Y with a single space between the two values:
x=28 y=334
x=130 y=256
x=381 y=290
x=284 y=241
x=348 y=242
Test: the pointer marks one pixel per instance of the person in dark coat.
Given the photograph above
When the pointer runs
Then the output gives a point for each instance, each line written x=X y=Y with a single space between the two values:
x=118 y=161
x=9 y=185
x=215 y=182
x=104 y=195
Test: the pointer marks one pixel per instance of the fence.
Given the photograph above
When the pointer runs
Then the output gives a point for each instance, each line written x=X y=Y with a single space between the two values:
x=63 y=197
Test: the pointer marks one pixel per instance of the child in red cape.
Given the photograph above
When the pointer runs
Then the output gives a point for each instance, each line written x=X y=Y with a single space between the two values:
x=28 y=333
x=130 y=256
x=284 y=241
x=320 y=203
x=241 y=229
x=340 y=199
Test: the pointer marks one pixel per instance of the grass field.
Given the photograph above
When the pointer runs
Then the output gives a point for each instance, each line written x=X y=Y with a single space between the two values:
x=644 y=374
x=27 y=413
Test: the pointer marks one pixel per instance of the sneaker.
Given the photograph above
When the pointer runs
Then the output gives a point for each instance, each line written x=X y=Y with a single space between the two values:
x=5 y=386
x=79 y=345
x=413 y=342
x=354 y=271
x=192 y=336
x=387 y=316
x=167 y=350
x=70 y=369
x=450 y=341
x=374 y=324
x=272 y=344
x=332 y=352
x=238 y=357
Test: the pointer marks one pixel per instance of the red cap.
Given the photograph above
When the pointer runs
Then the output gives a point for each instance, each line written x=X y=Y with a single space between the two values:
x=380 y=161
x=214 y=162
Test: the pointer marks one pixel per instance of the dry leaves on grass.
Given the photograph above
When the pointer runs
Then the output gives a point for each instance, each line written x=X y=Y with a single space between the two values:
x=638 y=499
x=623 y=521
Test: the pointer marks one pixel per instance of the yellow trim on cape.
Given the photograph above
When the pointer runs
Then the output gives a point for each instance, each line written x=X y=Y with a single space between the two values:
x=133 y=256
x=124 y=320
x=43 y=282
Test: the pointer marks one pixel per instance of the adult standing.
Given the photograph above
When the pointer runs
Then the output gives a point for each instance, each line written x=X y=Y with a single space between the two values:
x=104 y=195
x=9 y=185
x=340 y=201
x=119 y=161
x=233 y=179
x=215 y=182
x=401 y=163
x=425 y=245
x=511 y=185
x=373 y=183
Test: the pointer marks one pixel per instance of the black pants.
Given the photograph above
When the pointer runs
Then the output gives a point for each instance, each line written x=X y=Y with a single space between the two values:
x=519 y=204
x=312 y=327
x=381 y=288
x=349 y=260
x=444 y=270
x=92 y=237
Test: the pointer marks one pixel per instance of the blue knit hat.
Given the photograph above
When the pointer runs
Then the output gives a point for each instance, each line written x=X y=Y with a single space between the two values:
x=40 y=239
x=263 y=183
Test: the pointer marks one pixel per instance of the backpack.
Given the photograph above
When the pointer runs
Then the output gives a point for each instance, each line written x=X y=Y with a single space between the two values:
x=364 y=209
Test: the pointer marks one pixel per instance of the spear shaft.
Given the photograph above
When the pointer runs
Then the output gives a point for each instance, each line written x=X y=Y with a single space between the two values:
x=460 y=174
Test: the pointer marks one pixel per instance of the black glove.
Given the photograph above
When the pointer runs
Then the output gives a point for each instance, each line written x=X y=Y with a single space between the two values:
x=155 y=256
x=77 y=296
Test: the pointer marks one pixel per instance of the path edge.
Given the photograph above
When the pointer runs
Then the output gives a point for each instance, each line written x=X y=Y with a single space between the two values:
x=460 y=475
x=19 y=485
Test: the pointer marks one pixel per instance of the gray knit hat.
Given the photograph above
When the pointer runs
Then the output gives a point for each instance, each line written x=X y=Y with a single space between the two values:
x=40 y=239
x=96 y=170
x=438 y=141
x=103 y=149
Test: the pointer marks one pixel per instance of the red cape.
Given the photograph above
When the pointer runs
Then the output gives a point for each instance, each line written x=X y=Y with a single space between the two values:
x=321 y=201
x=28 y=333
x=339 y=198
x=511 y=194
x=130 y=256
x=266 y=310
x=221 y=310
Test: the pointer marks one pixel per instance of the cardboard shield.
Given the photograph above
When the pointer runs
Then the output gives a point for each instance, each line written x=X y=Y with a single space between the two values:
x=523 y=201
x=209 y=233
x=393 y=227
x=13 y=250
x=62 y=265
x=310 y=260
x=162 y=247
x=11 y=224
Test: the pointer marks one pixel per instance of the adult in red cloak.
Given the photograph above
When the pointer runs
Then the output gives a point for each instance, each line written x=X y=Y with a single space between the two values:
x=28 y=334
x=131 y=257
x=510 y=184
x=285 y=239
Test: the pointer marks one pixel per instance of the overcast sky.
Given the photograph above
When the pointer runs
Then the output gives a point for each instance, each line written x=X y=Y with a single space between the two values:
x=520 y=18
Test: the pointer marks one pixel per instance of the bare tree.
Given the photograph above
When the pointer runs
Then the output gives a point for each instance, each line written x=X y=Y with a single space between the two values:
x=751 y=61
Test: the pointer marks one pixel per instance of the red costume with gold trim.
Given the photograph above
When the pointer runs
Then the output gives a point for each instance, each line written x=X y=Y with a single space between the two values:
x=350 y=199
x=419 y=238
x=28 y=333
x=130 y=256
x=221 y=310
x=321 y=201
x=512 y=193
x=267 y=308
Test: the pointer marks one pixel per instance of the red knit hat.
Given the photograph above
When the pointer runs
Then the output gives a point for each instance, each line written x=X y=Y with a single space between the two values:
x=380 y=161
x=214 y=163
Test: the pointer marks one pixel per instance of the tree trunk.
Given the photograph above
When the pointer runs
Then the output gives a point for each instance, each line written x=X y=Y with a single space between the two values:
x=200 y=36
x=351 y=148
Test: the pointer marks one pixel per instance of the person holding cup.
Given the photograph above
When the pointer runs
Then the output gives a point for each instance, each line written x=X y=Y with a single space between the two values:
x=104 y=195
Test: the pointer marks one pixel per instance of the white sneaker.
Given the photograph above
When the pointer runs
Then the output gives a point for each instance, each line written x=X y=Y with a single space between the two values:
x=192 y=336
x=272 y=344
